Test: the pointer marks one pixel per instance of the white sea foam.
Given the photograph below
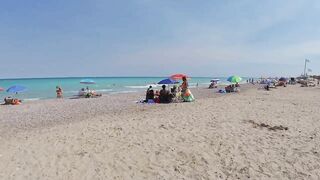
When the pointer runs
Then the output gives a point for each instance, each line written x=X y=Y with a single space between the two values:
x=142 y=87
x=32 y=99
x=123 y=92
x=71 y=92
x=104 y=90
x=136 y=87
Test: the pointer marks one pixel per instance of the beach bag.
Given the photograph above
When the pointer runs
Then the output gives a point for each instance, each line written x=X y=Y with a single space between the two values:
x=151 y=101
x=188 y=96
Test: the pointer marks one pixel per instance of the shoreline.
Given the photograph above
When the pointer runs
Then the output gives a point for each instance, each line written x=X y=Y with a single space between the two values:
x=110 y=92
x=39 y=89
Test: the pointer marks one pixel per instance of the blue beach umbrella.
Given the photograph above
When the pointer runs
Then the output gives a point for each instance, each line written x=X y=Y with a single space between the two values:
x=168 y=81
x=87 y=81
x=16 y=89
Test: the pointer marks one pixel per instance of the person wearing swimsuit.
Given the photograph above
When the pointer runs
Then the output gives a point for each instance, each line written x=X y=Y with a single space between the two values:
x=185 y=92
x=184 y=85
x=59 y=92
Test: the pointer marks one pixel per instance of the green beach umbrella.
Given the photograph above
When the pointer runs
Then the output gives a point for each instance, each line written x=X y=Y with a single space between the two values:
x=234 y=79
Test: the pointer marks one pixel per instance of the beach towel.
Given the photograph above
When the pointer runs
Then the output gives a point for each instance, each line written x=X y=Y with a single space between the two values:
x=188 y=96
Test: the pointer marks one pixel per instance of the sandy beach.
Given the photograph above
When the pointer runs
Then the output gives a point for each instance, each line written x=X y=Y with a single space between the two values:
x=254 y=134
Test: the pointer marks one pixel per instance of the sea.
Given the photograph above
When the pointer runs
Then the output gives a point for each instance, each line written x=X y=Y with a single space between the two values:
x=45 y=88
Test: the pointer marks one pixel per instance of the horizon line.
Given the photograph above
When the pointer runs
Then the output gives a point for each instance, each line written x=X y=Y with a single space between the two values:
x=71 y=77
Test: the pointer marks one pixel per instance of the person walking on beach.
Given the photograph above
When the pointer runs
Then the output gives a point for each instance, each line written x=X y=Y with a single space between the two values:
x=59 y=92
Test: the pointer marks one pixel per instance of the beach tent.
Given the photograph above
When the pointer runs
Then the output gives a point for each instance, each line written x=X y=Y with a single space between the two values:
x=16 y=89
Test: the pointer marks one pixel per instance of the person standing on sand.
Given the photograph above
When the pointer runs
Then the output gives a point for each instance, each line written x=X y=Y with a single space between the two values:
x=185 y=92
x=59 y=92
x=184 y=86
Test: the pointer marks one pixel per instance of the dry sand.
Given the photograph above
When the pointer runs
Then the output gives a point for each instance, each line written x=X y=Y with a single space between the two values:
x=231 y=136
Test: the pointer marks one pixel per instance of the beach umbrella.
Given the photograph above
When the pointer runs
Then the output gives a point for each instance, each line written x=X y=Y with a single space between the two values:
x=1 y=89
x=178 y=76
x=283 y=79
x=16 y=89
x=215 y=80
x=168 y=81
x=234 y=79
x=87 y=81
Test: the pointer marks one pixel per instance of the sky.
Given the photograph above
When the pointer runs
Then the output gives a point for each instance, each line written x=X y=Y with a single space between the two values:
x=209 y=38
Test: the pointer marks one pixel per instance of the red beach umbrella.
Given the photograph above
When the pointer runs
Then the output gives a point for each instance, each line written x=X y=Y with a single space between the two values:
x=1 y=89
x=178 y=76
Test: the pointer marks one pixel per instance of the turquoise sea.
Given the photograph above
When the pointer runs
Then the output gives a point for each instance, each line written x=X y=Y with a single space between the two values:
x=44 y=88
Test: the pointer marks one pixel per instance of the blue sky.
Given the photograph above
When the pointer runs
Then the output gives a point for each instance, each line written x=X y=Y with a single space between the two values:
x=158 y=38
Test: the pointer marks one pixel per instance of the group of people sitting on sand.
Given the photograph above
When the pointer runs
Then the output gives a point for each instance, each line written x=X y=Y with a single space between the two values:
x=162 y=96
x=232 y=88
x=87 y=93
x=83 y=93
x=213 y=84
x=308 y=82
x=176 y=94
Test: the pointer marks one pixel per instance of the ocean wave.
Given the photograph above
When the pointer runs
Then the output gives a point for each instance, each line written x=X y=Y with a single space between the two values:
x=123 y=92
x=31 y=99
x=205 y=83
x=142 y=87
x=104 y=90
x=71 y=92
